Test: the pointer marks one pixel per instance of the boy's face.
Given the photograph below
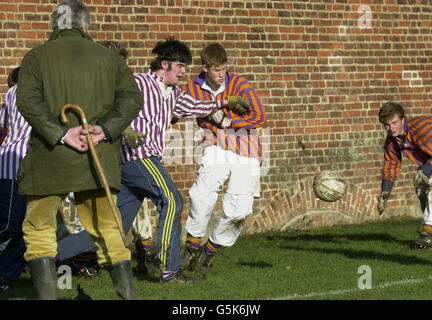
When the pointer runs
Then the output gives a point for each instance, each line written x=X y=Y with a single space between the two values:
x=215 y=75
x=395 y=126
x=174 y=72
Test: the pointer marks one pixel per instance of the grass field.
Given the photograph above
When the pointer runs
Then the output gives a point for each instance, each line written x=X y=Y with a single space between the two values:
x=317 y=264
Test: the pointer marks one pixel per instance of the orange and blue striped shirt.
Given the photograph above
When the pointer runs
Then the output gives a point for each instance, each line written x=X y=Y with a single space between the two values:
x=241 y=137
x=417 y=147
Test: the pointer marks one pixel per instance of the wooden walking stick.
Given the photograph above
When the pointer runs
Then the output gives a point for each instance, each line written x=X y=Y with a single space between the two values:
x=99 y=168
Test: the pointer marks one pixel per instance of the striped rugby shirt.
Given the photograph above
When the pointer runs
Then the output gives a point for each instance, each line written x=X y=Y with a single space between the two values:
x=417 y=148
x=160 y=106
x=241 y=137
x=15 y=145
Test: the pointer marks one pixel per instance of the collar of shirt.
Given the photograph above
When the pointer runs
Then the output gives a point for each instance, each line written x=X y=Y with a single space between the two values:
x=205 y=86
x=166 y=91
x=405 y=142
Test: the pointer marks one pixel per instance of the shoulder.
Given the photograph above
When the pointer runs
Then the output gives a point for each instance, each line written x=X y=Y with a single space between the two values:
x=237 y=81
x=190 y=84
x=11 y=93
x=236 y=77
x=143 y=78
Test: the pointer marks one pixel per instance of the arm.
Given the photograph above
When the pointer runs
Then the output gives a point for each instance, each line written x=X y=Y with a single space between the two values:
x=186 y=106
x=391 y=165
x=390 y=171
x=3 y=115
x=424 y=141
x=3 y=123
x=256 y=116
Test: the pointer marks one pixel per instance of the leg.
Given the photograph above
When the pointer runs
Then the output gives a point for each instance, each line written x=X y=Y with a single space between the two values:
x=237 y=206
x=203 y=196
x=204 y=192
x=142 y=231
x=425 y=239
x=97 y=218
x=39 y=228
x=12 y=209
x=128 y=202
x=169 y=204
x=243 y=186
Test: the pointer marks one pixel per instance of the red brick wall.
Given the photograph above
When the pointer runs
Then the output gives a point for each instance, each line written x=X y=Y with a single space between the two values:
x=321 y=68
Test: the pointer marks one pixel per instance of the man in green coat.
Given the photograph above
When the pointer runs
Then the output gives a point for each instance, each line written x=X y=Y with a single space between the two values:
x=71 y=68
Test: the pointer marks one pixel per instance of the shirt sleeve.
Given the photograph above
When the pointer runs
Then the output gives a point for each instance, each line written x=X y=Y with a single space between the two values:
x=424 y=142
x=3 y=115
x=256 y=116
x=391 y=165
x=186 y=105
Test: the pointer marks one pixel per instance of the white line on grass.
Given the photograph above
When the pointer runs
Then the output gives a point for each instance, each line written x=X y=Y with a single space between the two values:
x=342 y=291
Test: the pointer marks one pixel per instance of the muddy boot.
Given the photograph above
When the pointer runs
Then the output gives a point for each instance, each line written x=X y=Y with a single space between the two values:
x=44 y=276
x=122 y=279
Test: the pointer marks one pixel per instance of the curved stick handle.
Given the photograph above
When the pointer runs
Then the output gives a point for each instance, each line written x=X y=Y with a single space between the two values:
x=114 y=208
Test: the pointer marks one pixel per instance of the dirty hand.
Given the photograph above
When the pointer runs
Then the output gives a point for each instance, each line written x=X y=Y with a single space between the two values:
x=420 y=180
x=382 y=201
x=133 y=138
x=219 y=118
x=238 y=104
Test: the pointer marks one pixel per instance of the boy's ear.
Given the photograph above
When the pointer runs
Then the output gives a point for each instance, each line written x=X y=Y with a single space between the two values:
x=164 y=64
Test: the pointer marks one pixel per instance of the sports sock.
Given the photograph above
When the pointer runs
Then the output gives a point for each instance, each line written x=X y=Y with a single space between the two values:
x=142 y=246
x=167 y=274
x=427 y=228
x=193 y=242
x=211 y=248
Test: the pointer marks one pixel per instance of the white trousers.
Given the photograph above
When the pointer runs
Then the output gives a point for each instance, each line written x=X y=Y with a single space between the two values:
x=217 y=165
x=426 y=204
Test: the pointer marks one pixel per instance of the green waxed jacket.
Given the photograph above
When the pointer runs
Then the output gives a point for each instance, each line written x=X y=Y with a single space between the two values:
x=71 y=68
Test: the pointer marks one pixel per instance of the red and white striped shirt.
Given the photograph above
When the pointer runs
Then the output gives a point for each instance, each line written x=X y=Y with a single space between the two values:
x=15 y=145
x=160 y=106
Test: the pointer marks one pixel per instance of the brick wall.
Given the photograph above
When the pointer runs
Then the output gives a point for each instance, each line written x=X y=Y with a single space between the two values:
x=321 y=68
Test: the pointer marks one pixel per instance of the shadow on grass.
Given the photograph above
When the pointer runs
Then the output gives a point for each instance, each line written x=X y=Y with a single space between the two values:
x=23 y=289
x=364 y=254
x=258 y=264
x=155 y=277
x=383 y=237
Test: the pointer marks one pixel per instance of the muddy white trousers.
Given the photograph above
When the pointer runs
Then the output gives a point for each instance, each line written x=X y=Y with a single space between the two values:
x=218 y=165
x=425 y=196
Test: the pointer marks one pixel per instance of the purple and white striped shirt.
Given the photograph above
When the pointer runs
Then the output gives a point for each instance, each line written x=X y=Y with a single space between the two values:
x=15 y=145
x=160 y=106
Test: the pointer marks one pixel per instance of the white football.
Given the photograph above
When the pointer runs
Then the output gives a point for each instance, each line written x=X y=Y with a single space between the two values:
x=329 y=185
